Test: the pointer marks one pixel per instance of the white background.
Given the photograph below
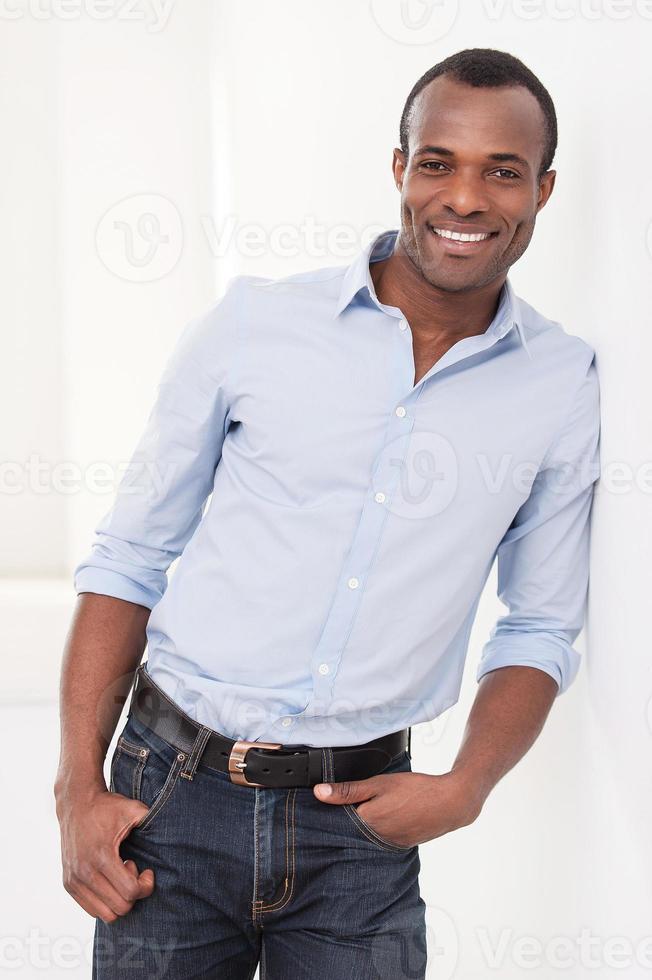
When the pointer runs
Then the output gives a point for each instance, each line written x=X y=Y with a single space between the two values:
x=240 y=126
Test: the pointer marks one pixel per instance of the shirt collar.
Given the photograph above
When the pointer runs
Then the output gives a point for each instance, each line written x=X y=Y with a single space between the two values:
x=358 y=277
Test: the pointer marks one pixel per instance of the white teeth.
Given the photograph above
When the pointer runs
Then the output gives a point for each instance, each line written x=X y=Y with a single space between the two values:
x=458 y=236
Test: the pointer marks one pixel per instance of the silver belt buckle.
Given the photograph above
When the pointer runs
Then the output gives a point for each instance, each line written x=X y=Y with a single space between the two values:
x=238 y=760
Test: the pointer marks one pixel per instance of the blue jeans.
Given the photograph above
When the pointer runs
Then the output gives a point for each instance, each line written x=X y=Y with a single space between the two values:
x=256 y=875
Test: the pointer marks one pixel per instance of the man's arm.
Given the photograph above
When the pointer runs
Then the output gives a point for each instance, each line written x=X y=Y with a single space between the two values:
x=508 y=713
x=158 y=506
x=94 y=687
x=103 y=648
x=408 y=808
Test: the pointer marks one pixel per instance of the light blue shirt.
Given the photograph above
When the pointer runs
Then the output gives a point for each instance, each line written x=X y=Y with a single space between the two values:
x=326 y=594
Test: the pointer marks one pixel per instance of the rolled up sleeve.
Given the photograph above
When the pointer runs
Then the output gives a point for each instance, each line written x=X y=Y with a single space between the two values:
x=161 y=497
x=543 y=559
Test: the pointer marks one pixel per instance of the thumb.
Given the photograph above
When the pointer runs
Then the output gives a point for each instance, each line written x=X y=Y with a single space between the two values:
x=146 y=882
x=145 y=878
x=353 y=791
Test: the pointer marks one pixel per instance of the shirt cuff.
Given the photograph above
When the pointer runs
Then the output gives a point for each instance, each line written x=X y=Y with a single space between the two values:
x=549 y=653
x=105 y=581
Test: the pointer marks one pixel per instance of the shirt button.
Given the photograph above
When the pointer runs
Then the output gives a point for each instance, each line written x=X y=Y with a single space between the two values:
x=324 y=669
x=400 y=411
x=402 y=325
x=286 y=721
x=380 y=498
x=353 y=583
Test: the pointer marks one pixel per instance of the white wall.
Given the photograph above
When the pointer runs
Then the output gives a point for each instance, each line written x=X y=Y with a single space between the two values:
x=273 y=122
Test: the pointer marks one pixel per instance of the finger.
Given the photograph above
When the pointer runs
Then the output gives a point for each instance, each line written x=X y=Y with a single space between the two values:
x=90 y=903
x=124 y=878
x=351 y=791
x=107 y=893
x=146 y=877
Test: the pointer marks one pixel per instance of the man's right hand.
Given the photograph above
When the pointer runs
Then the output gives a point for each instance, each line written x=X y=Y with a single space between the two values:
x=93 y=824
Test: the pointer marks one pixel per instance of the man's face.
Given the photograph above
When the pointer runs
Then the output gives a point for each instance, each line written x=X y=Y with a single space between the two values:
x=453 y=182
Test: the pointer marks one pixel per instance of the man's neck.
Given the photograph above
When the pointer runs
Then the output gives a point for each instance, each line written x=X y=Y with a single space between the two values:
x=436 y=316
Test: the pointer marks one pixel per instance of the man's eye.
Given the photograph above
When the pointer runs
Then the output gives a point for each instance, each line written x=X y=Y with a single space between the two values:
x=511 y=174
x=432 y=164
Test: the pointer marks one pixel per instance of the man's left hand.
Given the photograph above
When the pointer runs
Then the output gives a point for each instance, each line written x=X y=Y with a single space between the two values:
x=408 y=808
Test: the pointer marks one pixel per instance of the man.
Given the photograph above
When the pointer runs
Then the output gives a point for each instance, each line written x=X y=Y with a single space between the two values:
x=373 y=437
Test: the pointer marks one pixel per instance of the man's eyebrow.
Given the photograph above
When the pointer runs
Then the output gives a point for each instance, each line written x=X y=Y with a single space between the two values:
x=439 y=150
x=510 y=158
x=499 y=157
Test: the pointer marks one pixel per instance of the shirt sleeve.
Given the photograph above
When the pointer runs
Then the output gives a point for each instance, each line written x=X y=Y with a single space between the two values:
x=543 y=559
x=160 y=499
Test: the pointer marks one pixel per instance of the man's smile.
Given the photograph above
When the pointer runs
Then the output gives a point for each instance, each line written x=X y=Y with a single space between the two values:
x=461 y=242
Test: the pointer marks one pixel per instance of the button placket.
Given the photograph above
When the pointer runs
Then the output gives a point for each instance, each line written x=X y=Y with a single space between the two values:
x=365 y=543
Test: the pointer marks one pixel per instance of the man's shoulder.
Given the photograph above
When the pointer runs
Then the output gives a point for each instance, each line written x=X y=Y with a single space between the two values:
x=550 y=336
x=324 y=281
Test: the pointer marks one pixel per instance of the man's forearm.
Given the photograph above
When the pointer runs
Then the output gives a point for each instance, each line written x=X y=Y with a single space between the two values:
x=103 y=648
x=510 y=708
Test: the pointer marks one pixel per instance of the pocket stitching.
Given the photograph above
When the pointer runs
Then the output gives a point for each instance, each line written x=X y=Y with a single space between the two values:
x=371 y=834
x=130 y=748
x=137 y=752
x=114 y=762
x=163 y=795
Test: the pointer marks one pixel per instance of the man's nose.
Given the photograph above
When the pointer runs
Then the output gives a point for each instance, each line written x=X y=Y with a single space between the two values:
x=464 y=194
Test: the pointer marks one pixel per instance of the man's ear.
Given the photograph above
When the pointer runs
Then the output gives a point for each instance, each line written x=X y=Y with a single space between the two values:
x=546 y=184
x=399 y=165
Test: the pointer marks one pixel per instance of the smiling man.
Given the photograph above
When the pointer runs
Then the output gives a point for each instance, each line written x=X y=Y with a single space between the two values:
x=373 y=437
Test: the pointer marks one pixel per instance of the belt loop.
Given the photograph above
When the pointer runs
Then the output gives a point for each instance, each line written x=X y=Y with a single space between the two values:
x=198 y=747
x=409 y=747
x=315 y=766
x=328 y=773
x=131 y=693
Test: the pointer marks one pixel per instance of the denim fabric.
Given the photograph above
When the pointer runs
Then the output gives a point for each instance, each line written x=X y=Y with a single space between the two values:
x=256 y=876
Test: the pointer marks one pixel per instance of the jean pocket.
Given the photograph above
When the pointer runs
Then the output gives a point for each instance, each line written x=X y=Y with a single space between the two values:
x=146 y=769
x=400 y=764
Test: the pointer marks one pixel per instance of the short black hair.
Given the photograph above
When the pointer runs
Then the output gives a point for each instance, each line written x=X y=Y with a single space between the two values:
x=488 y=68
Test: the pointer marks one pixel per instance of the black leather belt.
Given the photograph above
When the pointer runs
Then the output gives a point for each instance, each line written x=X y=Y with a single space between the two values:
x=258 y=763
